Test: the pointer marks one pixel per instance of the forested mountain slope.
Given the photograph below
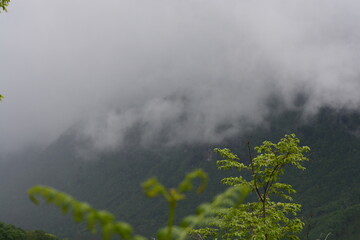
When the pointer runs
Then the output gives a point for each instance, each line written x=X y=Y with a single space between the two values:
x=328 y=189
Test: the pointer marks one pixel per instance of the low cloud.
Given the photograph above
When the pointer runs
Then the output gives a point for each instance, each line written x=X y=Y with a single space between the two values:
x=208 y=66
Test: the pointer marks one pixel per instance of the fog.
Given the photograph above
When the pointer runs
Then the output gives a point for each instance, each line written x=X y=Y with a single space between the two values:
x=209 y=66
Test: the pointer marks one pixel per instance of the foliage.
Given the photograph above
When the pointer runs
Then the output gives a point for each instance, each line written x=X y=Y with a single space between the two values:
x=331 y=177
x=4 y=4
x=10 y=232
x=227 y=217
x=232 y=197
x=153 y=188
x=263 y=219
x=39 y=235
x=83 y=212
x=1 y=97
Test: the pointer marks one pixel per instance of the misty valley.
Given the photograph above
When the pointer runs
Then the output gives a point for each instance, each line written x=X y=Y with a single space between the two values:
x=327 y=189
x=179 y=120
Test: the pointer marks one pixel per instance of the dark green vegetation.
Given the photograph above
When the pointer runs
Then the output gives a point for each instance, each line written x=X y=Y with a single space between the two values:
x=328 y=190
x=10 y=232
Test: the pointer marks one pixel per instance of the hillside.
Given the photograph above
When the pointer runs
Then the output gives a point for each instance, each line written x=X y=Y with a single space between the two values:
x=327 y=190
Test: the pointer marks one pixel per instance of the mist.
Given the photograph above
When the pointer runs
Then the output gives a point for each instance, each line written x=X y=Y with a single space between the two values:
x=203 y=69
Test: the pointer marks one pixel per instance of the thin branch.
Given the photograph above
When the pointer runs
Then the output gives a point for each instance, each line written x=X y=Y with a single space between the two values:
x=269 y=183
x=253 y=172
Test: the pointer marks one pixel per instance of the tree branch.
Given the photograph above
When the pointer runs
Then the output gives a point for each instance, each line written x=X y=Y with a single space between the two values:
x=254 y=174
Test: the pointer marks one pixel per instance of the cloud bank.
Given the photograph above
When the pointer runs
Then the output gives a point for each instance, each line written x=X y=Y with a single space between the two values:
x=210 y=66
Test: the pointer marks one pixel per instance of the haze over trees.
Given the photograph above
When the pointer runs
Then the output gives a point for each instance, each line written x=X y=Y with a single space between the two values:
x=325 y=208
x=213 y=73
x=265 y=218
x=227 y=217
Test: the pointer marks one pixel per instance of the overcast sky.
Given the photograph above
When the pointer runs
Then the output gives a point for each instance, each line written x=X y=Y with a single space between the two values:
x=113 y=63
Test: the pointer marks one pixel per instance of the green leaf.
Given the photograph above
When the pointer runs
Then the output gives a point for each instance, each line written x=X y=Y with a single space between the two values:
x=91 y=222
x=123 y=229
x=108 y=231
x=83 y=212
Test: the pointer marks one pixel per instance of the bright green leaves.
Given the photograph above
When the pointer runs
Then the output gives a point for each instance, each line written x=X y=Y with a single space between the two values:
x=227 y=216
x=153 y=188
x=83 y=212
x=264 y=219
x=282 y=190
x=186 y=184
x=233 y=181
x=94 y=219
x=91 y=222
x=267 y=167
x=286 y=151
x=122 y=229
x=3 y=6
x=231 y=160
x=207 y=212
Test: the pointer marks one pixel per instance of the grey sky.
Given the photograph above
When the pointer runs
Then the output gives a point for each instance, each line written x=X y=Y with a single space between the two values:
x=113 y=63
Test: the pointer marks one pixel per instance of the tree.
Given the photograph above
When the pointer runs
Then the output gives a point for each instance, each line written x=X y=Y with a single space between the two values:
x=4 y=4
x=10 y=232
x=227 y=216
x=263 y=219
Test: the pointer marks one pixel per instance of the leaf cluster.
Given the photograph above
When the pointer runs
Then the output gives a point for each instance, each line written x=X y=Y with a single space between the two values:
x=263 y=219
x=227 y=216
x=267 y=167
x=205 y=213
x=3 y=5
x=152 y=187
x=10 y=232
x=83 y=212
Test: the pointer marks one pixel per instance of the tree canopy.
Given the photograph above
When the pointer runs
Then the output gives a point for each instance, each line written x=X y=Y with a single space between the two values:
x=10 y=232
x=264 y=219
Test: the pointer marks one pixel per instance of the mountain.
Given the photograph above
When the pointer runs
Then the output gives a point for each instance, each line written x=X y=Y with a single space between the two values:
x=328 y=189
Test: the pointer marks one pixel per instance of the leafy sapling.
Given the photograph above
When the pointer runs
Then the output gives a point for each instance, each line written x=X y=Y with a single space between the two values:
x=263 y=219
